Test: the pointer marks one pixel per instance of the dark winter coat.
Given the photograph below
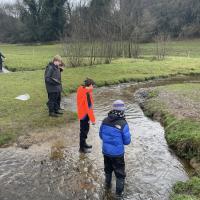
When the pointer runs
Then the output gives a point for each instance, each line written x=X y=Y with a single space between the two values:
x=53 y=78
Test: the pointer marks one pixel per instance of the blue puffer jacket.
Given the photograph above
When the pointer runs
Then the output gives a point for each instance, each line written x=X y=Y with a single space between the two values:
x=114 y=132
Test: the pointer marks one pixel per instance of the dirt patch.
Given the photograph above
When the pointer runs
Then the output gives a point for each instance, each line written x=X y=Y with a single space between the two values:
x=179 y=105
x=65 y=136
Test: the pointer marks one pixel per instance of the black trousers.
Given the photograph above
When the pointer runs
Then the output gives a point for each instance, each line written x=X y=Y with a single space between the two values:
x=59 y=99
x=1 y=65
x=84 y=129
x=53 y=101
x=115 y=164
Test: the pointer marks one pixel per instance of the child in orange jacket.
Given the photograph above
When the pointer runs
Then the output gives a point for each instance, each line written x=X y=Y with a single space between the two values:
x=85 y=112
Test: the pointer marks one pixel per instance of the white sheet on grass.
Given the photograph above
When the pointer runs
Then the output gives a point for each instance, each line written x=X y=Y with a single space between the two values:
x=23 y=97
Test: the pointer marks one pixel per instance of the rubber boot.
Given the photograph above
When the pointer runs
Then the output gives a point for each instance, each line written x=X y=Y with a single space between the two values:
x=87 y=146
x=82 y=148
x=52 y=114
x=58 y=112
x=108 y=181
x=119 y=188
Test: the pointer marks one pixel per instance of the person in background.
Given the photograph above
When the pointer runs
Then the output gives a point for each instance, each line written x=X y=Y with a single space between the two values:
x=114 y=133
x=1 y=61
x=53 y=85
x=85 y=112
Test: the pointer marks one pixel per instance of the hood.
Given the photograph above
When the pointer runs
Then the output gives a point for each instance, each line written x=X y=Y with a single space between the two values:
x=116 y=115
x=52 y=64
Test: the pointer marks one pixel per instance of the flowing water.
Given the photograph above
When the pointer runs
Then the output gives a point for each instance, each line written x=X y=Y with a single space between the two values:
x=152 y=169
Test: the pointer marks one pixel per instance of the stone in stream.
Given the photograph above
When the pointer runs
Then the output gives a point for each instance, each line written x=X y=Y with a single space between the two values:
x=96 y=196
x=85 y=169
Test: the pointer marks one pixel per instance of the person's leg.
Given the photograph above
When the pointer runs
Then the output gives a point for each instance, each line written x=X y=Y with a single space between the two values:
x=48 y=101
x=84 y=129
x=51 y=104
x=57 y=103
x=119 y=169
x=59 y=100
x=1 y=65
x=108 y=169
x=87 y=128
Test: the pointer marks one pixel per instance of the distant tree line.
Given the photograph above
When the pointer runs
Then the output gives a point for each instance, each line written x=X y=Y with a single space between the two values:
x=99 y=20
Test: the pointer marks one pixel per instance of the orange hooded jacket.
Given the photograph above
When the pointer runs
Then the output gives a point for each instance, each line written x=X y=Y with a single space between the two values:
x=85 y=104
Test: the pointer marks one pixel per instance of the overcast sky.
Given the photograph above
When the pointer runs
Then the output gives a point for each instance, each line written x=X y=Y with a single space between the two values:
x=5 y=1
x=11 y=1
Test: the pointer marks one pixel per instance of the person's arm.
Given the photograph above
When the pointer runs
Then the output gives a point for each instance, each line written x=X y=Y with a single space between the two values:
x=89 y=108
x=2 y=55
x=126 y=135
x=55 y=80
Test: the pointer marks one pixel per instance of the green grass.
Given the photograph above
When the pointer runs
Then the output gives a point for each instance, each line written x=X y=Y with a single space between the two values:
x=17 y=117
x=21 y=117
x=187 y=191
x=34 y=57
x=186 y=48
x=184 y=197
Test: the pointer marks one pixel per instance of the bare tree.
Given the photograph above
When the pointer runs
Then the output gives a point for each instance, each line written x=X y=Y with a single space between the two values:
x=161 y=41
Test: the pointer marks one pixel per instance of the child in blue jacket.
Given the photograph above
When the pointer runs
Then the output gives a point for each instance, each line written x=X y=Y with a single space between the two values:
x=114 y=132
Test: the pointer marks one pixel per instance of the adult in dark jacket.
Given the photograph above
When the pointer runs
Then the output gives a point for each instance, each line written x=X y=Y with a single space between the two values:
x=53 y=85
x=1 y=61
x=114 y=132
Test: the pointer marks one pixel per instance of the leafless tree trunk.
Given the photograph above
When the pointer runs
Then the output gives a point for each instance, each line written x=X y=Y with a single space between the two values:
x=161 y=41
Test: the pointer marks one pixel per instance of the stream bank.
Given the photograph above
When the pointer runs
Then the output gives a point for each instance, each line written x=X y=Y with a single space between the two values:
x=177 y=108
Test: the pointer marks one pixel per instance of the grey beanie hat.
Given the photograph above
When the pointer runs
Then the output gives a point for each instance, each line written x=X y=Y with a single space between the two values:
x=119 y=105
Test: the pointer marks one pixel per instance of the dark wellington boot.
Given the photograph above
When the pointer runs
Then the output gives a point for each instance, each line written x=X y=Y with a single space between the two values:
x=59 y=113
x=108 y=181
x=119 y=188
x=84 y=150
x=52 y=114
x=87 y=146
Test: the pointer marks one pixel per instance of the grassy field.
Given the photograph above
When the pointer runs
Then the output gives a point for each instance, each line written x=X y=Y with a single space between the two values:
x=188 y=48
x=34 y=57
x=177 y=107
x=24 y=57
x=18 y=117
